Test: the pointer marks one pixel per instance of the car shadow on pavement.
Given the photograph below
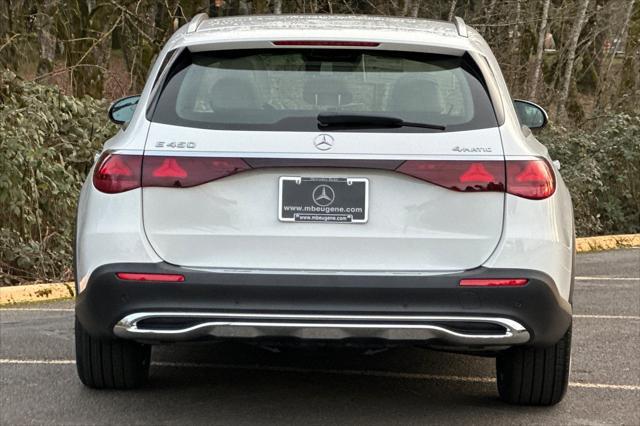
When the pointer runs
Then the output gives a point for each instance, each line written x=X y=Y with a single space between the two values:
x=331 y=360
x=322 y=383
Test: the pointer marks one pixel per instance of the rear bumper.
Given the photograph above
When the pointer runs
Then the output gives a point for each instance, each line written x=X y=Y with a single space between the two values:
x=415 y=308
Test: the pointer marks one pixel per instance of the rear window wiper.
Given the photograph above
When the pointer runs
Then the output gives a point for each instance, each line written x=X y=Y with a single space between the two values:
x=365 y=120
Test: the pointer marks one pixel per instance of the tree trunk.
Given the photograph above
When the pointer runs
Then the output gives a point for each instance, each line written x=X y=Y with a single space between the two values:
x=608 y=86
x=514 y=58
x=259 y=6
x=415 y=8
x=561 y=111
x=488 y=19
x=244 y=7
x=203 y=6
x=88 y=46
x=490 y=9
x=277 y=7
x=46 y=37
x=537 y=64
x=628 y=85
x=10 y=29
x=169 y=17
x=452 y=9
x=632 y=68
x=406 y=7
x=138 y=35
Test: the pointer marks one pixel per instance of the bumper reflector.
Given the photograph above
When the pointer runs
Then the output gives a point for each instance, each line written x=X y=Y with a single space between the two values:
x=131 y=276
x=495 y=282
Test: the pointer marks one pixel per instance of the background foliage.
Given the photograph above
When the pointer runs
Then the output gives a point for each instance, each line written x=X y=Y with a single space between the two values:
x=601 y=167
x=48 y=141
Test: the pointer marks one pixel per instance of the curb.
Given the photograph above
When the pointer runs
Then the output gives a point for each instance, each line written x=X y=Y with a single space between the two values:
x=607 y=242
x=29 y=293
x=12 y=295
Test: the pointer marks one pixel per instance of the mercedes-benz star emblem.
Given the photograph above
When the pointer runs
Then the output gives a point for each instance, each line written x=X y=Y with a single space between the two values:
x=323 y=195
x=323 y=142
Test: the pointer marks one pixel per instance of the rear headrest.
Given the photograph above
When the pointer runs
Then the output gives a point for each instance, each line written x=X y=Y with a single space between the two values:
x=326 y=91
x=414 y=94
x=233 y=93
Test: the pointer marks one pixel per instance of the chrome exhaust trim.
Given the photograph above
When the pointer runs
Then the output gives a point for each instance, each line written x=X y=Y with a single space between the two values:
x=309 y=326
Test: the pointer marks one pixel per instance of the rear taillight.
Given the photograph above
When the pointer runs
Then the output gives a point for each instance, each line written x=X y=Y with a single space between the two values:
x=183 y=172
x=465 y=176
x=117 y=173
x=494 y=282
x=531 y=179
x=135 y=276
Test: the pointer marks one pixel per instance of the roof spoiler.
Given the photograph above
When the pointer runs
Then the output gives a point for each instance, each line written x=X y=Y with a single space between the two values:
x=461 y=27
x=195 y=22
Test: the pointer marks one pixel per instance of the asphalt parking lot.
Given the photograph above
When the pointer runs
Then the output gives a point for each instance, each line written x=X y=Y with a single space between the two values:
x=238 y=384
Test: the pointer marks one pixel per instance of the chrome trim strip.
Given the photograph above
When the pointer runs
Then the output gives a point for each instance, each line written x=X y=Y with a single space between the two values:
x=313 y=156
x=388 y=327
x=334 y=272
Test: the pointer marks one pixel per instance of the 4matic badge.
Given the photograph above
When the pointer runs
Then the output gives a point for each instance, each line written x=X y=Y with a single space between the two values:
x=473 y=149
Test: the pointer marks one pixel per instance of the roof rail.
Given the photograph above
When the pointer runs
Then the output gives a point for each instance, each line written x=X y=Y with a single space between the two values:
x=460 y=26
x=195 y=22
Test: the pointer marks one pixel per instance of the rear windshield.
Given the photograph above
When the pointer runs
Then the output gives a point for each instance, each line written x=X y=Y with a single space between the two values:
x=286 y=89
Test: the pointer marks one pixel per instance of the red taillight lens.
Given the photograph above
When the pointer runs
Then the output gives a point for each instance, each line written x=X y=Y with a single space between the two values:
x=169 y=169
x=466 y=176
x=183 y=172
x=117 y=173
x=131 y=276
x=494 y=282
x=531 y=179
x=478 y=173
x=326 y=43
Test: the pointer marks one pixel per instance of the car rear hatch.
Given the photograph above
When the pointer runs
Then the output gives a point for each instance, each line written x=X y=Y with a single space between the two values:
x=239 y=174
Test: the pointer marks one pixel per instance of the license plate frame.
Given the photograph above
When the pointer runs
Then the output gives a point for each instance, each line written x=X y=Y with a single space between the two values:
x=323 y=200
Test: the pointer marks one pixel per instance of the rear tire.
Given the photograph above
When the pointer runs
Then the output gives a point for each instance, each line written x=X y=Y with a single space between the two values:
x=110 y=363
x=534 y=376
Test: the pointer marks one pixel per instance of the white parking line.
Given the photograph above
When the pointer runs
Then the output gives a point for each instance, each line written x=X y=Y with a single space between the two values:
x=607 y=278
x=38 y=309
x=603 y=386
x=36 y=361
x=369 y=373
x=620 y=317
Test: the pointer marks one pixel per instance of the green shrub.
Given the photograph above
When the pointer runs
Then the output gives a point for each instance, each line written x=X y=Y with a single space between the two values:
x=47 y=144
x=602 y=170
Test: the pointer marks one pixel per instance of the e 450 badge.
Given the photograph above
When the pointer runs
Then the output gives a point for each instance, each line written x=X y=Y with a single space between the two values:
x=176 y=145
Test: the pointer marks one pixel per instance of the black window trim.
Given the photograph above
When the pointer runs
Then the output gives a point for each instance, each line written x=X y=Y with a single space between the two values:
x=161 y=77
